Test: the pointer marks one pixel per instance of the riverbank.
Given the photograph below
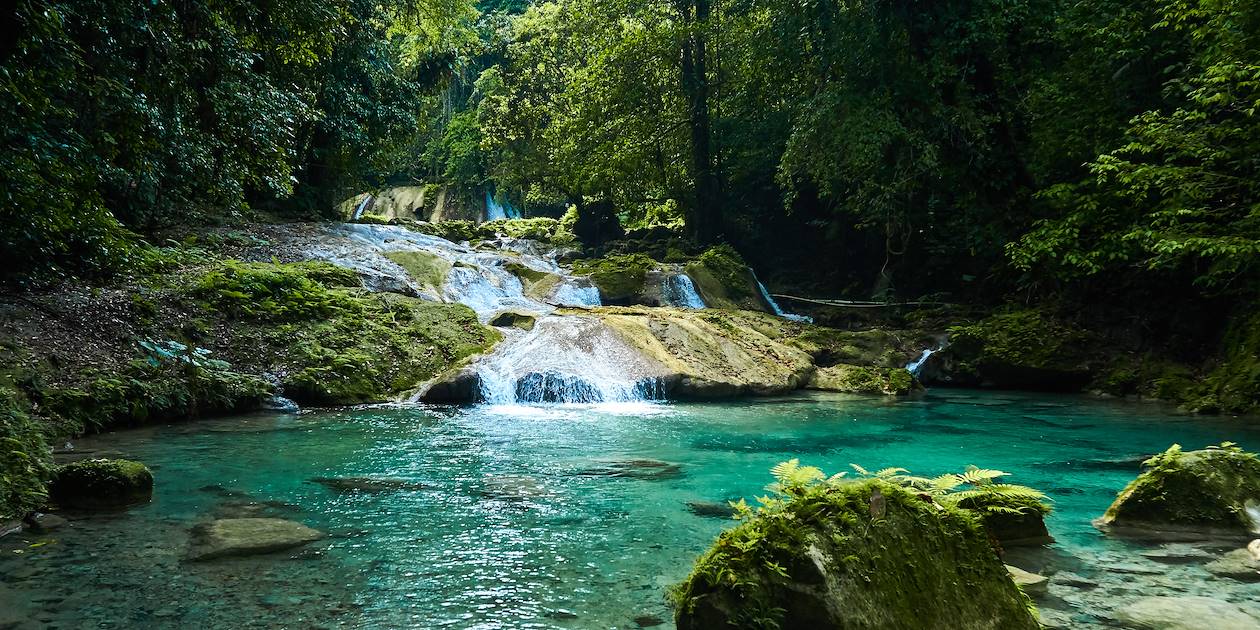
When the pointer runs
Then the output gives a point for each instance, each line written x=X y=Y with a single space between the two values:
x=230 y=320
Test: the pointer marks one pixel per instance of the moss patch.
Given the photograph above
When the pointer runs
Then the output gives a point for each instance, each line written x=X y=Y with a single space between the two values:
x=276 y=291
x=101 y=483
x=723 y=279
x=619 y=278
x=1021 y=349
x=860 y=554
x=862 y=380
x=1207 y=489
x=426 y=269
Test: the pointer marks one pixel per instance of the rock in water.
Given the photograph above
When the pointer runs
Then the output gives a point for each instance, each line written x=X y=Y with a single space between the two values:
x=1185 y=613
x=1030 y=583
x=514 y=319
x=711 y=509
x=247 y=537
x=368 y=484
x=648 y=469
x=95 y=484
x=819 y=561
x=1238 y=564
x=1203 y=492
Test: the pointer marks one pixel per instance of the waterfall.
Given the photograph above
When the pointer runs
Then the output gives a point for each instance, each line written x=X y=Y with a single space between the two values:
x=567 y=359
x=496 y=210
x=679 y=291
x=359 y=209
x=563 y=359
x=774 y=306
x=916 y=366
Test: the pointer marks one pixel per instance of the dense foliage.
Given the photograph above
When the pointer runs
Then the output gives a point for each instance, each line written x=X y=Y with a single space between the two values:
x=122 y=115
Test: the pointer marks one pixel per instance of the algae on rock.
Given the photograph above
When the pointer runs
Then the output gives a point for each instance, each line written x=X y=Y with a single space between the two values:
x=101 y=483
x=864 y=554
x=1209 y=491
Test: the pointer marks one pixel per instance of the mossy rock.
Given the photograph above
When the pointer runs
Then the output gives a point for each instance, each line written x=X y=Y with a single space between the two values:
x=619 y=278
x=724 y=280
x=101 y=484
x=514 y=319
x=857 y=379
x=389 y=348
x=428 y=270
x=854 y=555
x=1206 y=491
x=1020 y=350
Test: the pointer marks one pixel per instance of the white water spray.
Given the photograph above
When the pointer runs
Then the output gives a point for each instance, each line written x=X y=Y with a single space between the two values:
x=679 y=291
x=774 y=306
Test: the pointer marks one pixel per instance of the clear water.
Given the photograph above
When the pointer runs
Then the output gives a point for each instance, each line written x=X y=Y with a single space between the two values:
x=509 y=523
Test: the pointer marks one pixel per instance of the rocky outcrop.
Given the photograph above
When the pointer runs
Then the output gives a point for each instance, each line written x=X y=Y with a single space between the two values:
x=1210 y=491
x=859 y=379
x=714 y=353
x=247 y=537
x=853 y=554
x=95 y=484
x=1017 y=350
x=514 y=319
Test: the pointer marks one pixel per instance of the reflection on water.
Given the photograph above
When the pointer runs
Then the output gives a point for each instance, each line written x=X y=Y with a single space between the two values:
x=569 y=516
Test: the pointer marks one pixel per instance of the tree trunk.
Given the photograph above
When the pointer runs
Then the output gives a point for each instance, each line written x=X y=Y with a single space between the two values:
x=703 y=217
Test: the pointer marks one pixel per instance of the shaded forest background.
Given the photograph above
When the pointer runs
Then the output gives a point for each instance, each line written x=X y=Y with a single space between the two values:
x=980 y=150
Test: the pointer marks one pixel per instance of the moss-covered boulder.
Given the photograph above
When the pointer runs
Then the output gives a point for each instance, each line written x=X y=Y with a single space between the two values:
x=1208 y=491
x=1019 y=350
x=855 y=555
x=514 y=319
x=101 y=484
x=619 y=278
x=426 y=269
x=724 y=280
x=858 y=379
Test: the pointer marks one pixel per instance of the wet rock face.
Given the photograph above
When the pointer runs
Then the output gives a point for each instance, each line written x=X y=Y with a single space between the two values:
x=1210 y=491
x=247 y=537
x=863 y=554
x=96 y=484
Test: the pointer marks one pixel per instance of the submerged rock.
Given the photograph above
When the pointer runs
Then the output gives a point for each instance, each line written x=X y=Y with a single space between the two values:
x=1185 y=613
x=1205 y=492
x=368 y=484
x=860 y=554
x=711 y=509
x=247 y=537
x=41 y=523
x=101 y=484
x=648 y=469
x=1238 y=564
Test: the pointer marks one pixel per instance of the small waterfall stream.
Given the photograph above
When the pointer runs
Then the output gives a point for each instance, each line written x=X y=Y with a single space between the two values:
x=774 y=306
x=916 y=366
x=679 y=291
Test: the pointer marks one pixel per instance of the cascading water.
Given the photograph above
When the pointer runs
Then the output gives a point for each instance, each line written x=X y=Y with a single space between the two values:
x=567 y=359
x=679 y=291
x=774 y=306
x=496 y=210
x=916 y=366
x=563 y=359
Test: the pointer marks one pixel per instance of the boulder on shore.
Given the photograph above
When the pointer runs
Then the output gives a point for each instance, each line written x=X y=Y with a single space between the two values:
x=1205 y=492
x=853 y=554
x=247 y=537
x=94 y=484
